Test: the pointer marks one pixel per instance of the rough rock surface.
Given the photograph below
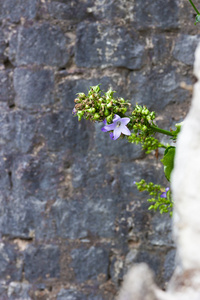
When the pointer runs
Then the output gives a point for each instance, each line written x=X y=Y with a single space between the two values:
x=66 y=188
x=184 y=284
x=186 y=183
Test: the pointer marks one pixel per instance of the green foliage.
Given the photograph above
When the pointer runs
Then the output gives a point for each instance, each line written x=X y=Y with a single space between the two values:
x=196 y=10
x=163 y=204
x=149 y=143
x=197 y=19
x=98 y=106
x=176 y=132
x=168 y=161
x=141 y=122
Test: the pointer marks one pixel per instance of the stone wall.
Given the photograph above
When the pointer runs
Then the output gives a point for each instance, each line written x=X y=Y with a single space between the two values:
x=139 y=283
x=71 y=221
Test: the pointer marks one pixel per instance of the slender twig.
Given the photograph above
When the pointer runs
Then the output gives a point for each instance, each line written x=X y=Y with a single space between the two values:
x=157 y=129
x=194 y=7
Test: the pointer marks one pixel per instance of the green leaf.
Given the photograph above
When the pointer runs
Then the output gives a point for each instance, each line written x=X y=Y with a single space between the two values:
x=151 y=207
x=168 y=161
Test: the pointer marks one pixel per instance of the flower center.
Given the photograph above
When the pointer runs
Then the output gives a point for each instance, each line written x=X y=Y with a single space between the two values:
x=118 y=123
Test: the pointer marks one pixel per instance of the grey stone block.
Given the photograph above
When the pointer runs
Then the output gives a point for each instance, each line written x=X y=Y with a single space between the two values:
x=162 y=231
x=36 y=176
x=7 y=140
x=72 y=294
x=103 y=46
x=5 y=177
x=32 y=184
x=33 y=87
x=18 y=132
x=153 y=259
x=11 y=267
x=6 y=86
x=68 y=88
x=59 y=131
x=41 y=262
x=66 y=180
x=24 y=221
x=141 y=220
x=18 y=290
x=13 y=10
x=157 y=89
x=169 y=264
x=74 y=10
x=121 y=148
x=128 y=173
x=184 y=48
x=69 y=219
x=90 y=263
x=25 y=132
x=62 y=131
x=40 y=44
x=110 y=10
x=76 y=220
x=2 y=46
x=164 y=15
x=3 y=289
x=159 y=48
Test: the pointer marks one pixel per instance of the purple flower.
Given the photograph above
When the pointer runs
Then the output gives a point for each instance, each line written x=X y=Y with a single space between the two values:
x=111 y=136
x=117 y=127
x=164 y=194
x=74 y=111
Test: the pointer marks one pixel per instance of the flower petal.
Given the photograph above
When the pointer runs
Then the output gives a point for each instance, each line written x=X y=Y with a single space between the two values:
x=125 y=130
x=103 y=129
x=110 y=127
x=125 y=121
x=111 y=136
x=105 y=121
x=163 y=195
x=116 y=118
x=116 y=133
x=74 y=111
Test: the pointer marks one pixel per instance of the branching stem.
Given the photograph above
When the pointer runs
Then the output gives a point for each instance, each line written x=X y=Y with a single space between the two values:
x=194 y=7
x=157 y=129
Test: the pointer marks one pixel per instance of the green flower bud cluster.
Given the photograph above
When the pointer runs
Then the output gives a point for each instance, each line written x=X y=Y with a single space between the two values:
x=143 y=133
x=197 y=19
x=96 y=106
x=164 y=204
x=142 y=112
x=142 y=119
x=148 y=143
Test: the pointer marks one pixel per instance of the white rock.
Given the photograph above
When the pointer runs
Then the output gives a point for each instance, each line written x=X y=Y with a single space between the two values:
x=186 y=183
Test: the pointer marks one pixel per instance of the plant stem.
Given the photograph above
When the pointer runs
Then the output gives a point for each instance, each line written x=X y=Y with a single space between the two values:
x=194 y=7
x=157 y=129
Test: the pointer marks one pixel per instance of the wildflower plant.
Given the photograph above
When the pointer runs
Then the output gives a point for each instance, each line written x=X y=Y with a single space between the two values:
x=97 y=107
x=118 y=126
x=160 y=197
x=137 y=127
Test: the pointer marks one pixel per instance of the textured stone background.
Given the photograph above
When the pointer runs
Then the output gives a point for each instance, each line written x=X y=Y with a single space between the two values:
x=71 y=221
